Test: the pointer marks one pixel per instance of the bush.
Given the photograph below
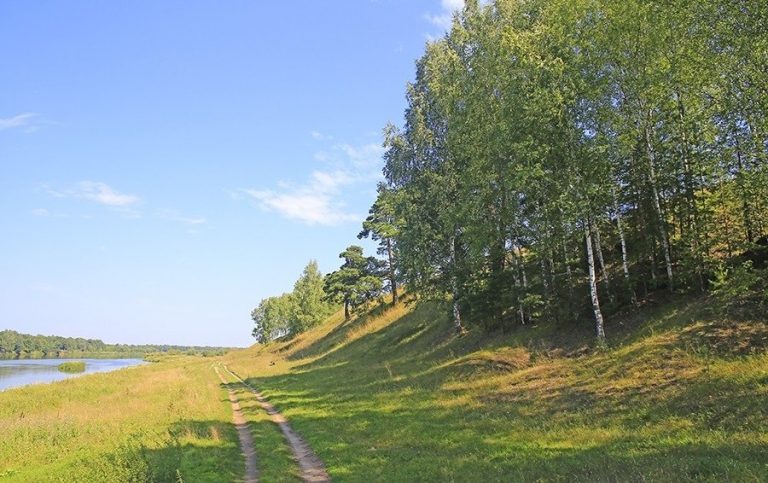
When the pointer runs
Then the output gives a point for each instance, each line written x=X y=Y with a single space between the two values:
x=72 y=367
x=742 y=290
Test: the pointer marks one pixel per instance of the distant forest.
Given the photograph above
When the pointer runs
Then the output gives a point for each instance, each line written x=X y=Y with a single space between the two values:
x=14 y=345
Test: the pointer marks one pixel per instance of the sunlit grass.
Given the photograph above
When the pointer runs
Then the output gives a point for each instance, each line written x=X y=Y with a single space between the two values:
x=395 y=397
x=157 y=422
x=275 y=461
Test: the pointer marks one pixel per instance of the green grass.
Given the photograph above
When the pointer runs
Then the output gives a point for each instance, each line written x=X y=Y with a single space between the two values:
x=274 y=459
x=680 y=394
x=72 y=367
x=158 y=422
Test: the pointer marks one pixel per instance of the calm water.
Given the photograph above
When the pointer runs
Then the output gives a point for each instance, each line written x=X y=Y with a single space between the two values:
x=17 y=373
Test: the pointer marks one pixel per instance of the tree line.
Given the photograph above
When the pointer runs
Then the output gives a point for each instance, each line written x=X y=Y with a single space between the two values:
x=15 y=345
x=563 y=159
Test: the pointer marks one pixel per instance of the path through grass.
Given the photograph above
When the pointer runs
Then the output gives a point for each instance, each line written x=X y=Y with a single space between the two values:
x=395 y=397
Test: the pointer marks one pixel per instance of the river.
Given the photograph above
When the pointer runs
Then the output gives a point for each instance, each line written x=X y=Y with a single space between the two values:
x=15 y=373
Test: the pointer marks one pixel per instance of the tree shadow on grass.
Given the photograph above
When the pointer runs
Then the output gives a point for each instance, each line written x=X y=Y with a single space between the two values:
x=200 y=451
x=408 y=411
x=339 y=333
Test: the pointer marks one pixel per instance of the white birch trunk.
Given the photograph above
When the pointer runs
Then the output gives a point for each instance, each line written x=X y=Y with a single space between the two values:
x=516 y=278
x=455 y=291
x=623 y=240
x=603 y=271
x=599 y=328
x=657 y=206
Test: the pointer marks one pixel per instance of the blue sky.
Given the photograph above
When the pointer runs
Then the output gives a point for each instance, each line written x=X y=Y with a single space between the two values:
x=167 y=164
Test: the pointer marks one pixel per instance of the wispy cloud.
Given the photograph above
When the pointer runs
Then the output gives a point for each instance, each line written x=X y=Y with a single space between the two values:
x=322 y=199
x=103 y=194
x=22 y=121
x=100 y=193
x=313 y=203
x=365 y=156
x=173 y=215
x=41 y=212
x=318 y=136
x=444 y=18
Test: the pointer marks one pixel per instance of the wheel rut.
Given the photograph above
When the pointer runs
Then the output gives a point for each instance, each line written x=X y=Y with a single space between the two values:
x=244 y=434
x=312 y=468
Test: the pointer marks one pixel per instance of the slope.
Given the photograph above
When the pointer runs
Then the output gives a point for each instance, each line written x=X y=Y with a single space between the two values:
x=392 y=395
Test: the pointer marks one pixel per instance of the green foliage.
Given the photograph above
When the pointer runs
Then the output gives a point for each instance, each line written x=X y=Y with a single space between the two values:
x=309 y=299
x=357 y=282
x=741 y=289
x=294 y=312
x=273 y=317
x=14 y=345
x=72 y=366
x=382 y=225
x=531 y=122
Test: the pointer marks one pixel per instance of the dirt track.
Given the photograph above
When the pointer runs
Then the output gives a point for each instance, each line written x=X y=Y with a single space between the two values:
x=312 y=468
x=244 y=433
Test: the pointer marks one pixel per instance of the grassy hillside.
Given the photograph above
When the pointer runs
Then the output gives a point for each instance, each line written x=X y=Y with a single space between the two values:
x=679 y=394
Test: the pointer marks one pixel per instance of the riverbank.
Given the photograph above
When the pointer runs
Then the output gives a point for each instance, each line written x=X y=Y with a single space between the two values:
x=22 y=372
x=394 y=395
x=149 y=423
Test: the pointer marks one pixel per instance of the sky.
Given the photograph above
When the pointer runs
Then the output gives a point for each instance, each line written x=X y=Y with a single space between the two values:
x=165 y=165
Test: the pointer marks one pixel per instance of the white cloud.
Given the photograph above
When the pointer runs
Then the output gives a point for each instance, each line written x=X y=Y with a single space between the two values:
x=314 y=203
x=41 y=212
x=364 y=156
x=173 y=215
x=318 y=136
x=445 y=17
x=320 y=200
x=104 y=194
x=192 y=221
x=100 y=193
x=19 y=121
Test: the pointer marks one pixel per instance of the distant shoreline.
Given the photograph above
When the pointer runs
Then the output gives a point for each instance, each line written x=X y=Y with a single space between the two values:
x=75 y=355
x=15 y=345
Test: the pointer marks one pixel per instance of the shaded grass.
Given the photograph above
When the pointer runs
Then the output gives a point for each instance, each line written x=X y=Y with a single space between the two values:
x=395 y=397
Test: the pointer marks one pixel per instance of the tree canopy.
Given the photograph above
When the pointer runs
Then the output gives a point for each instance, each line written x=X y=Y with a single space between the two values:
x=563 y=159
x=294 y=312
x=560 y=157
x=357 y=282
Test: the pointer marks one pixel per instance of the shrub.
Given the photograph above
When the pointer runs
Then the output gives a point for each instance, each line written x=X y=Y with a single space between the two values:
x=73 y=366
x=741 y=290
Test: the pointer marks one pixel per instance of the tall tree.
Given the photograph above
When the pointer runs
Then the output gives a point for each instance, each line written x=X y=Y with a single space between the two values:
x=273 y=317
x=381 y=226
x=311 y=306
x=357 y=282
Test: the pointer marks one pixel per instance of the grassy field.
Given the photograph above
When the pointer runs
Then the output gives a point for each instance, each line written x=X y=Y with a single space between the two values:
x=680 y=394
x=169 y=421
